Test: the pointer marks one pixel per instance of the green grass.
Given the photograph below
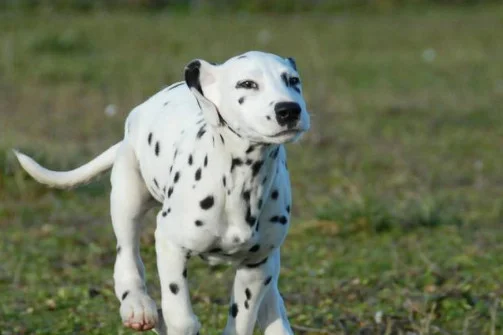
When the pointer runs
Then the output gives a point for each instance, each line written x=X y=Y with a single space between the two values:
x=398 y=196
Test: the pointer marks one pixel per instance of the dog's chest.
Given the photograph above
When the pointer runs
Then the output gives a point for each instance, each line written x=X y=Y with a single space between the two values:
x=256 y=213
x=226 y=207
x=268 y=233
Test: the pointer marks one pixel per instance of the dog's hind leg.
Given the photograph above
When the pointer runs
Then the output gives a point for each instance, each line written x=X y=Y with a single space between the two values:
x=128 y=203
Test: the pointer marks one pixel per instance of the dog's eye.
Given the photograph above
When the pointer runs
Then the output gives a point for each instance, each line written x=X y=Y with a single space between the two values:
x=293 y=81
x=247 y=84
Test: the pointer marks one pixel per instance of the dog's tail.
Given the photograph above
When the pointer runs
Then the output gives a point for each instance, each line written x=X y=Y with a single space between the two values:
x=67 y=179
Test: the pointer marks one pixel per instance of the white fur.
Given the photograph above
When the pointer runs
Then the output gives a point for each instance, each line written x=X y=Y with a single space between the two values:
x=213 y=157
x=68 y=178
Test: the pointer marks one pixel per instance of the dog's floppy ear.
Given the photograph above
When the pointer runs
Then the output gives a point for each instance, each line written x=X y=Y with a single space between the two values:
x=200 y=77
x=292 y=63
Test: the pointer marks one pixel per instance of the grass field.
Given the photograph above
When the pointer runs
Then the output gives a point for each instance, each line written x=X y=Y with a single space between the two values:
x=398 y=190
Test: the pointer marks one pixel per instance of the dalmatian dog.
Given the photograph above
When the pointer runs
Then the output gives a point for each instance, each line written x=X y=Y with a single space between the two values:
x=210 y=150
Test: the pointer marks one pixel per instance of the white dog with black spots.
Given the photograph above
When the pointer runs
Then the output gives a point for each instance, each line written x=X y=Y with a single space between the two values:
x=210 y=150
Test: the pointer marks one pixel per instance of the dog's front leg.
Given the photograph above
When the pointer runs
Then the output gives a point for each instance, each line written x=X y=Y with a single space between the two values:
x=172 y=266
x=272 y=316
x=250 y=286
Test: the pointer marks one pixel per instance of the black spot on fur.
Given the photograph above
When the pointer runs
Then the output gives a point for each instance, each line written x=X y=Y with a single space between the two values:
x=174 y=288
x=207 y=202
x=268 y=117
x=177 y=176
x=149 y=140
x=184 y=274
x=221 y=120
x=234 y=310
x=292 y=63
x=156 y=183
x=222 y=139
x=250 y=219
x=166 y=103
x=192 y=75
x=198 y=104
x=249 y=162
x=264 y=180
x=170 y=169
x=236 y=162
x=170 y=192
x=288 y=208
x=256 y=265
x=284 y=77
x=215 y=250
x=199 y=223
x=250 y=149
x=248 y=294
x=157 y=148
x=198 y=174
x=257 y=226
x=255 y=248
x=190 y=159
x=124 y=295
x=256 y=167
x=268 y=280
x=242 y=56
x=175 y=154
x=241 y=100
x=206 y=161
x=224 y=181
x=119 y=249
x=281 y=219
x=246 y=304
x=246 y=195
x=274 y=194
x=201 y=132
x=164 y=213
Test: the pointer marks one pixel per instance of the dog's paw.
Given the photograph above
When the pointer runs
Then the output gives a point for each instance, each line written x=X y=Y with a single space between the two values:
x=139 y=311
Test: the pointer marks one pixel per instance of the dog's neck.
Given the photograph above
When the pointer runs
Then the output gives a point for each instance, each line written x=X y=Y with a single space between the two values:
x=250 y=171
x=242 y=148
x=251 y=164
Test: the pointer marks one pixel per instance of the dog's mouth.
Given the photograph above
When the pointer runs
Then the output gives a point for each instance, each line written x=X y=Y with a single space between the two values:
x=284 y=136
x=287 y=133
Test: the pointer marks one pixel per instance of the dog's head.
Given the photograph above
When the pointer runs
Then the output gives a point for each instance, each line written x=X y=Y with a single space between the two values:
x=257 y=95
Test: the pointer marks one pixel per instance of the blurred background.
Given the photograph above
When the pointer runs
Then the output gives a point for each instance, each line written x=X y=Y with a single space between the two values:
x=398 y=198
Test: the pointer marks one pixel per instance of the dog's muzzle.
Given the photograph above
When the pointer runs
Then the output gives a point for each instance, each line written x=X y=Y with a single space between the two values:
x=287 y=113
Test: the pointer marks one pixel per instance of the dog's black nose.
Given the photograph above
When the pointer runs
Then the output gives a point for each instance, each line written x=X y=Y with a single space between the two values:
x=287 y=113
